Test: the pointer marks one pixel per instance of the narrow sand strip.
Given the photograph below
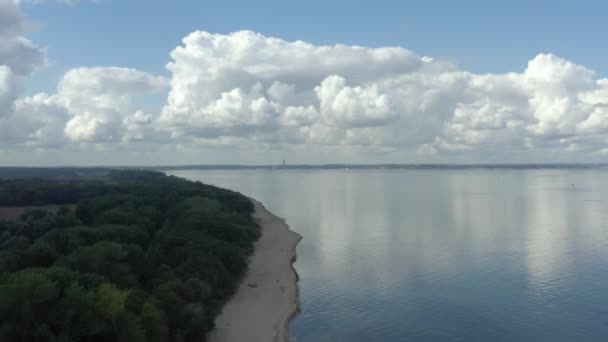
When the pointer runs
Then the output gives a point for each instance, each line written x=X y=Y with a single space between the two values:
x=268 y=297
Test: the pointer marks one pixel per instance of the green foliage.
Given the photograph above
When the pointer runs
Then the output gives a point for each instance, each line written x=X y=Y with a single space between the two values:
x=154 y=322
x=141 y=257
x=38 y=192
x=26 y=298
x=110 y=301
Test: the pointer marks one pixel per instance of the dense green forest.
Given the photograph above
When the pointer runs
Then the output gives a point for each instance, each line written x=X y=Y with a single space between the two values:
x=132 y=256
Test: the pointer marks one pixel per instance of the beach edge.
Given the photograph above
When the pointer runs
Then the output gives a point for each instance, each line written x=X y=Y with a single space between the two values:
x=268 y=297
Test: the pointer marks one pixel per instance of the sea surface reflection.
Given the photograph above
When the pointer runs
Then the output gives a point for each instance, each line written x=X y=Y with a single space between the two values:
x=442 y=255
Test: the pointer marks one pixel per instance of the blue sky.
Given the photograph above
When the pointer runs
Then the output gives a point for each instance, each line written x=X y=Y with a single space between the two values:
x=430 y=81
x=481 y=36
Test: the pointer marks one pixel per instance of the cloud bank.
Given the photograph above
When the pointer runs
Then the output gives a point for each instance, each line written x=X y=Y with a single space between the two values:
x=245 y=90
x=248 y=86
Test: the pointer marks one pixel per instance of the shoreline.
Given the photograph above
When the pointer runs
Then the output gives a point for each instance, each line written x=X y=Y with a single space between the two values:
x=268 y=297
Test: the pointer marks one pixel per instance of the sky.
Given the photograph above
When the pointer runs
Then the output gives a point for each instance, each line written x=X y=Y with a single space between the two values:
x=153 y=82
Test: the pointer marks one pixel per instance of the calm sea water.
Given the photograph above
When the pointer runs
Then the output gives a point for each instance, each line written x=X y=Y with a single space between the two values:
x=443 y=255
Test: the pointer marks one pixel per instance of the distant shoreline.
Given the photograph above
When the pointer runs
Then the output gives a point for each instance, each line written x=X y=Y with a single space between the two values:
x=95 y=172
x=268 y=297
x=550 y=166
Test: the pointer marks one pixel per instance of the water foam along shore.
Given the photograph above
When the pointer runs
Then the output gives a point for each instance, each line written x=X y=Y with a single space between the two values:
x=268 y=297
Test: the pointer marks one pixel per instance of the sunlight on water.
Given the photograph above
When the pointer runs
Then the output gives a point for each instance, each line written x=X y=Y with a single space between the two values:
x=443 y=255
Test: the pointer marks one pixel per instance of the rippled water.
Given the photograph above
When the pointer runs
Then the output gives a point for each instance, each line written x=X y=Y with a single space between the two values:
x=442 y=255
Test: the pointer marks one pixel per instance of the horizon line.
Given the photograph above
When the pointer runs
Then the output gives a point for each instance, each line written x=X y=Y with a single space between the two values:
x=228 y=166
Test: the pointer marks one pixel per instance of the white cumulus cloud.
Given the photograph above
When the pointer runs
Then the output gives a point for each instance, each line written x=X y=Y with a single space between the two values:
x=100 y=101
x=19 y=57
x=250 y=86
x=92 y=105
x=250 y=91
x=7 y=91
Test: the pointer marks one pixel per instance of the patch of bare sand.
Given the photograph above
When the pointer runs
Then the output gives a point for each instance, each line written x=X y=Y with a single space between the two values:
x=268 y=297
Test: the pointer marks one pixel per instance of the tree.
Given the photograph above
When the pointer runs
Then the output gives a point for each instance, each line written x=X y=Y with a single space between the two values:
x=27 y=299
x=153 y=320
x=110 y=302
x=75 y=316
x=144 y=257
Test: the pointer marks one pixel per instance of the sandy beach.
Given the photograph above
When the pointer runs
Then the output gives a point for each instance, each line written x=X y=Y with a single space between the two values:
x=268 y=297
